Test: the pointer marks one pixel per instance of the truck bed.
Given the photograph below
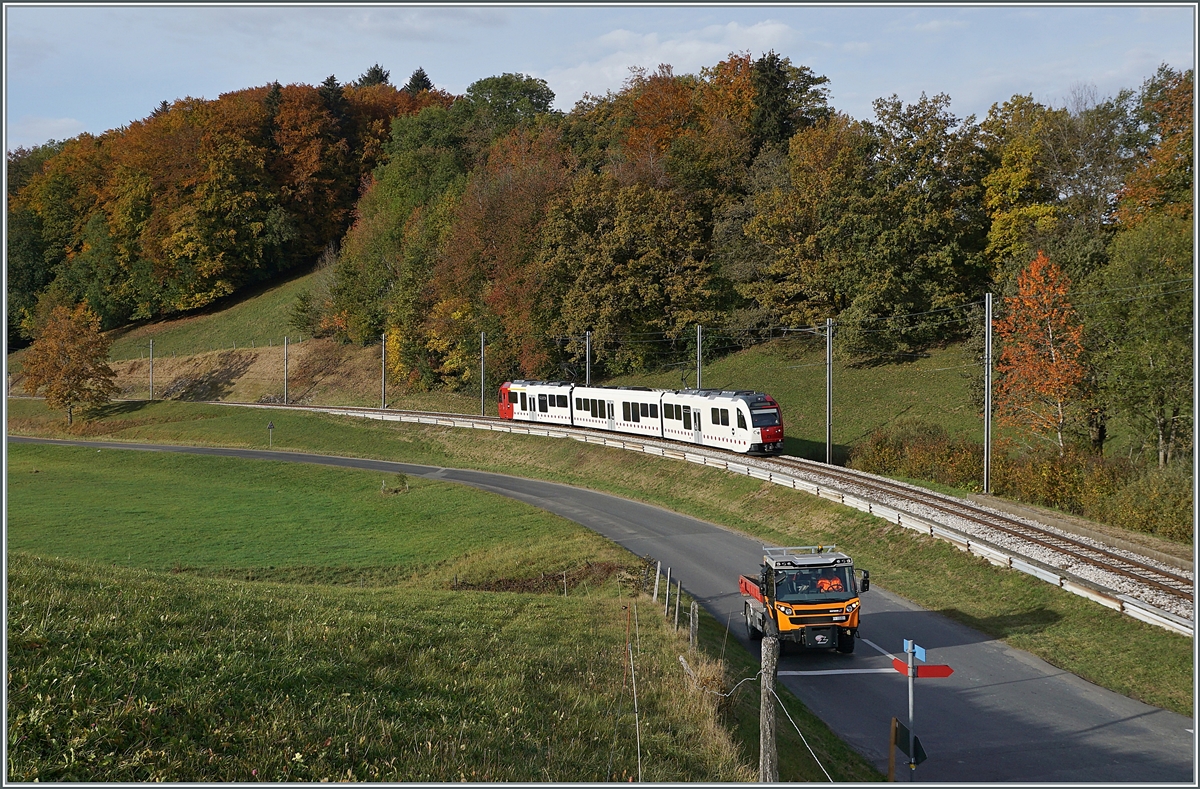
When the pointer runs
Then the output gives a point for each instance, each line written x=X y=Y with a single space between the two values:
x=748 y=585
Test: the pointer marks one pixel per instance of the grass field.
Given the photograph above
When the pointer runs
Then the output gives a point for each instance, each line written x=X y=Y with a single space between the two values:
x=1070 y=632
x=258 y=320
x=138 y=650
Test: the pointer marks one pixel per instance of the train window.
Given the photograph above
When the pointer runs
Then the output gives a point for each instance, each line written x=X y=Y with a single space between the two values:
x=592 y=402
x=503 y=397
x=654 y=410
x=741 y=420
x=625 y=411
x=725 y=417
x=578 y=403
x=765 y=418
x=610 y=410
x=524 y=405
x=645 y=409
x=687 y=417
x=633 y=411
x=542 y=403
x=562 y=401
x=512 y=398
x=716 y=416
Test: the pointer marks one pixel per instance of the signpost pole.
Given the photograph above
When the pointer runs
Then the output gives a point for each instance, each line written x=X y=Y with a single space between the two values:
x=151 y=368
x=587 y=360
x=912 y=764
x=285 y=350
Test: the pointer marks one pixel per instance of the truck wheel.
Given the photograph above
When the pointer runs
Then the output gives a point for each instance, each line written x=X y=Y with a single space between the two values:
x=845 y=642
x=753 y=632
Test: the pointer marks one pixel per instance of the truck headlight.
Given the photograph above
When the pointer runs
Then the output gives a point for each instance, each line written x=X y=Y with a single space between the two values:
x=852 y=607
x=784 y=608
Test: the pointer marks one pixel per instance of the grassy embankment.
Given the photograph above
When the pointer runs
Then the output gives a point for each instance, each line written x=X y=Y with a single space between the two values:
x=140 y=649
x=1070 y=632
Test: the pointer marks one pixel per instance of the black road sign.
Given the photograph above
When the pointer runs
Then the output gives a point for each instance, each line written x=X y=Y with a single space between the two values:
x=902 y=744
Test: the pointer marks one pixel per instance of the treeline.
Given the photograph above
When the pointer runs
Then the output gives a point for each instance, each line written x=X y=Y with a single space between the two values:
x=197 y=200
x=738 y=198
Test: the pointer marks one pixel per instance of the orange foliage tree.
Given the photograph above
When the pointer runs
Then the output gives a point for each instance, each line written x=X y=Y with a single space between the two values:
x=1040 y=369
x=1163 y=179
x=69 y=361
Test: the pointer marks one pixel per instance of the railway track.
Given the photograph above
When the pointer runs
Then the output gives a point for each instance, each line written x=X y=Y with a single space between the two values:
x=1081 y=551
x=1120 y=579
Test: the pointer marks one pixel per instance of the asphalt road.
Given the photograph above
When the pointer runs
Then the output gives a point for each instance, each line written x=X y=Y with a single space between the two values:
x=1003 y=716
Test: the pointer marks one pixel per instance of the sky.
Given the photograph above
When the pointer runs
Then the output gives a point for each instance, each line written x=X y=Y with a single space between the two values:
x=71 y=69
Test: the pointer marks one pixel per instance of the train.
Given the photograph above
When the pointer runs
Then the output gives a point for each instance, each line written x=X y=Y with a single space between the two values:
x=740 y=421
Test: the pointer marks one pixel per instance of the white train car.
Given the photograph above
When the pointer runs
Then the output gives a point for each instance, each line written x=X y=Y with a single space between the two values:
x=741 y=421
x=537 y=401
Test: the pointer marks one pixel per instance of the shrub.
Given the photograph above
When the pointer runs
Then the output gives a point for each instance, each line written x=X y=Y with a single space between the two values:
x=1111 y=490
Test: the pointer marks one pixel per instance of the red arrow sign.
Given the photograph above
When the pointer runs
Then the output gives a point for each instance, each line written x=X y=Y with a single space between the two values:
x=933 y=670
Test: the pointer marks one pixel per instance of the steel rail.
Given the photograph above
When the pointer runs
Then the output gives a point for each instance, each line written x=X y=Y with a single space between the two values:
x=1043 y=537
x=681 y=450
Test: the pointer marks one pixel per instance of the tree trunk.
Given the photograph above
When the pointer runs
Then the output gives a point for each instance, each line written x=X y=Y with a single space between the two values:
x=1098 y=429
x=70 y=408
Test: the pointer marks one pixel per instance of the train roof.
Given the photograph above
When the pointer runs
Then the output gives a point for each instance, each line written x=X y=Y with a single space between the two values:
x=748 y=395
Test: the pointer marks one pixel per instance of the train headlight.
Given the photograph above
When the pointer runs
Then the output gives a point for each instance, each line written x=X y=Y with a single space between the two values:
x=786 y=609
x=852 y=607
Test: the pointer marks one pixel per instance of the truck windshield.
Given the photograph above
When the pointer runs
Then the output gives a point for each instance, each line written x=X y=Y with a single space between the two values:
x=765 y=418
x=815 y=585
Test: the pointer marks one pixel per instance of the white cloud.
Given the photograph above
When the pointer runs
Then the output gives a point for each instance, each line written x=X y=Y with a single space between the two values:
x=615 y=51
x=35 y=130
x=938 y=25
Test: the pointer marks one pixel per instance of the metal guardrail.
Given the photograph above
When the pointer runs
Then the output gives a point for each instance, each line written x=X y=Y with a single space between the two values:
x=971 y=544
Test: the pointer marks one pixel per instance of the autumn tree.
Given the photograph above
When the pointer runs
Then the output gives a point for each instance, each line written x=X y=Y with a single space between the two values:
x=68 y=361
x=1039 y=369
x=1163 y=177
x=630 y=265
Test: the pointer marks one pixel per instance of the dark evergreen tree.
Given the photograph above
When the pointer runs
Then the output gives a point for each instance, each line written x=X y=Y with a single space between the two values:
x=375 y=75
x=418 y=82
x=787 y=99
x=334 y=99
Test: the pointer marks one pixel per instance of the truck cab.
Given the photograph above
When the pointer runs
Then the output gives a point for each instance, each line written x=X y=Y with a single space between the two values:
x=808 y=594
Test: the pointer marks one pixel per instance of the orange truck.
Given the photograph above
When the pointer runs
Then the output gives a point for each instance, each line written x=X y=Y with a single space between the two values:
x=808 y=594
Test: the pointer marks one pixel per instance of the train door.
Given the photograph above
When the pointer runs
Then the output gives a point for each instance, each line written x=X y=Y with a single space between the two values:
x=612 y=419
x=533 y=406
x=697 y=433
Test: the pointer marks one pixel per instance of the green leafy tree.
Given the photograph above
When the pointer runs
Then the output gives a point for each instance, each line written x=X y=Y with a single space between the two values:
x=629 y=264
x=1143 y=312
x=68 y=361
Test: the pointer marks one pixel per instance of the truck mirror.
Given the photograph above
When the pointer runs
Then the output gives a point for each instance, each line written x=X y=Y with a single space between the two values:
x=866 y=580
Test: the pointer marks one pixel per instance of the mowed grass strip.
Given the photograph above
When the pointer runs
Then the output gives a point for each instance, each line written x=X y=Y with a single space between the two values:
x=186 y=512
x=1096 y=643
x=120 y=674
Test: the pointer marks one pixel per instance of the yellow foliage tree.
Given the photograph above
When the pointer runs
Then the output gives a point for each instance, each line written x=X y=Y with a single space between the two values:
x=68 y=361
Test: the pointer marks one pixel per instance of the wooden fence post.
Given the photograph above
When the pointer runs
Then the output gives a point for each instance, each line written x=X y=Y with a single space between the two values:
x=768 y=757
x=693 y=625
